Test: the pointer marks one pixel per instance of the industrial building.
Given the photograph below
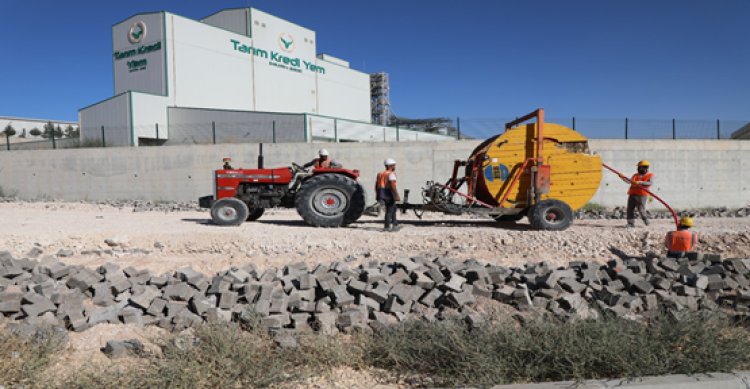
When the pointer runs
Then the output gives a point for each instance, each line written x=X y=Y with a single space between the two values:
x=241 y=75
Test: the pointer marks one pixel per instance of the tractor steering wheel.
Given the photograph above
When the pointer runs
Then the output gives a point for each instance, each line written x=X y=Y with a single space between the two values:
x=298 y=168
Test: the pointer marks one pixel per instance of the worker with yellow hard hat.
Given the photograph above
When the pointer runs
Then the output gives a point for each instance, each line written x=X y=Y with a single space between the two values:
x=637 y=196
x=683 y=240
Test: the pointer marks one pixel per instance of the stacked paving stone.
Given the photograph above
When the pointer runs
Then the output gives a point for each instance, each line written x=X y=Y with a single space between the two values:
x=621 y=213
x=335 y=297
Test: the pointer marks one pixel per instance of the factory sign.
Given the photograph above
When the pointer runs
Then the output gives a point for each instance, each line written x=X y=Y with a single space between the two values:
x=278 y=59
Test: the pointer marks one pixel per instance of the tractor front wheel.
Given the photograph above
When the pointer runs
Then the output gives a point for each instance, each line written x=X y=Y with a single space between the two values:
x=229 y=211
x=550 y=215
x=330 y=200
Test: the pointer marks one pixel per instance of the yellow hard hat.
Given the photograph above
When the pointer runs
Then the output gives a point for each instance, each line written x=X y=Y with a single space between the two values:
x=644 y=163
x=686 y=221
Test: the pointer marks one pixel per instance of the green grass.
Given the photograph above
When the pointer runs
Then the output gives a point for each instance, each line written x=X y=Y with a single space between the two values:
x=23 y=360
x=545 y=350
x=444 y=354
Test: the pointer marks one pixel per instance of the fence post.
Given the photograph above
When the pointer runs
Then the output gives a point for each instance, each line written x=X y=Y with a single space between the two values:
x=626 y=128
x=574 y=122
x=104 y=143
x=7 y=141
x=398 y=133
x=336 y=130
x=458 y=128
x=54 y=145
x=383 y=134
x=718 y=129
x=157 y=132
x=213 y=131
x=674 y=128
x=273 y=129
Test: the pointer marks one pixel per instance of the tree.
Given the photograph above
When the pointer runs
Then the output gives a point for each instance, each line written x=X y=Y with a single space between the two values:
x=9 y=130
x=72 y=132
x=49 y=129
x=58 y=131
x=35 y=132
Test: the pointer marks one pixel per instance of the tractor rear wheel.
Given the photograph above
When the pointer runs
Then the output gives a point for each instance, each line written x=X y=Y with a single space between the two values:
x=229 y=211
x=550 y=215
x=330 y=200
x=255 y=214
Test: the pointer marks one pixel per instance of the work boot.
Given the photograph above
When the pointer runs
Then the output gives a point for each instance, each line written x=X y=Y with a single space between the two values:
x=646 y=222
x=396 y=228
x=630 y=225
x=387 y=229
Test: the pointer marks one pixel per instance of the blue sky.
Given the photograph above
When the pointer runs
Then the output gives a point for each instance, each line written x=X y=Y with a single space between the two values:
x=475 y=59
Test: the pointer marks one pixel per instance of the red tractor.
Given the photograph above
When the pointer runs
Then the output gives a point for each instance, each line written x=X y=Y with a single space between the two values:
x=324 y=197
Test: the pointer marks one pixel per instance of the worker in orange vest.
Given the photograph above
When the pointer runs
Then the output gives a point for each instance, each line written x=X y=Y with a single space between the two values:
x=683 y=240
x=637 y=196
x=386 y=191
x=323 y=161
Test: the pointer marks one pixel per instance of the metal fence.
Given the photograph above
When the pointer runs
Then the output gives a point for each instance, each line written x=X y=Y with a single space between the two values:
x=41 y=144
x=608 y=128
x=316 y=129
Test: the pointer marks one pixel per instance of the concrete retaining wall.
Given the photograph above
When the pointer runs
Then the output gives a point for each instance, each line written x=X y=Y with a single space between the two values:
x=688 y=173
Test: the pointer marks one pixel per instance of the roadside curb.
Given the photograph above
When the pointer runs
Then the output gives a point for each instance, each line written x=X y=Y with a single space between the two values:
x=736 y=380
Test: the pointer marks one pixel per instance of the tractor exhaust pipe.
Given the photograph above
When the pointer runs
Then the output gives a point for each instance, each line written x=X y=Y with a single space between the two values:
x=260 y=156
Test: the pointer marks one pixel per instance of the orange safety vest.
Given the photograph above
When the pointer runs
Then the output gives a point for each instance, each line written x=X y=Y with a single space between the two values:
x=635 y=189
x=681 y=240
x=382 y=180
x=324 y=164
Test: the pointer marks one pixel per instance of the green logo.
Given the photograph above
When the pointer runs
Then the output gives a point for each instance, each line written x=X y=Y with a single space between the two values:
x=286 y=42
x=137 y=32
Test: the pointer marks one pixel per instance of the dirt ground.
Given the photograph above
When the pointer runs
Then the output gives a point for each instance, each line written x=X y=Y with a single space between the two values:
x=164 y=242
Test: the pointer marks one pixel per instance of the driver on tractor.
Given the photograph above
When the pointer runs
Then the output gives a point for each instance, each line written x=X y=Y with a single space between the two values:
x=323 y=161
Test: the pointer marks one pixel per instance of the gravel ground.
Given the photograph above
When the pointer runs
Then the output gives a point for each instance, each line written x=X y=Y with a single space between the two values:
x=169 y=240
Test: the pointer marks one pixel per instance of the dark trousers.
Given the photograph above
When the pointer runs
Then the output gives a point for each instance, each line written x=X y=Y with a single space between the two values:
x=639 y=203
x=390 y=207
x=390 y=213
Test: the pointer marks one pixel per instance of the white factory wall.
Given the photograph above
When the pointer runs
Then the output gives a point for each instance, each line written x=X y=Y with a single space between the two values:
x=114 y=115
x=235 y=20
x=290 y=88
x=149 y=110
x=341 y=92
x=328 y=129
x=150 y=78
x=207 y=72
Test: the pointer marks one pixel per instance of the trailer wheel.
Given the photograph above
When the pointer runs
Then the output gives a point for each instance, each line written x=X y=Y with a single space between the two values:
x=330 y=200
x=550 y=215
x=229 y=211
x=255 y=214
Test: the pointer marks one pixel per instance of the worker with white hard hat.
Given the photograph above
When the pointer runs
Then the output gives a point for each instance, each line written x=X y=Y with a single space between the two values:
x=683 y=240
x=637 y=194
x=323 y=161
x=386 y=192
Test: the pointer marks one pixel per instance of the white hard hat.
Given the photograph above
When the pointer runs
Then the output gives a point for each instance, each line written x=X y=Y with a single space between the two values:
x=389 y=162
x=323 y=152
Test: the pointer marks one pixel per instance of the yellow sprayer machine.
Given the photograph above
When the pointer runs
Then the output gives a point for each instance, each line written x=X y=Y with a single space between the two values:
x=541 y=170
